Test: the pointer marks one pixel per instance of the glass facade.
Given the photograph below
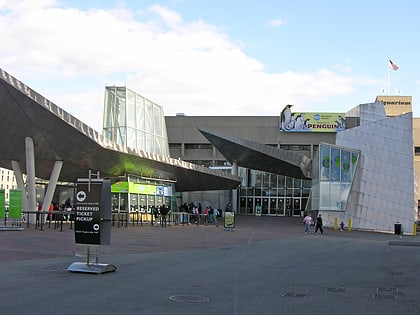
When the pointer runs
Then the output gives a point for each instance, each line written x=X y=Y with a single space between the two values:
x=274 y=194
x=336 y=171
x=134 y=121
x=136 y=196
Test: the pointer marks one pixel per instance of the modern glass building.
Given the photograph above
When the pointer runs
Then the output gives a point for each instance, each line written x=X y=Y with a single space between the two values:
x=273 y=194
x=333 y=177
x=362 y=175
x=364 y=172
x=132 y=120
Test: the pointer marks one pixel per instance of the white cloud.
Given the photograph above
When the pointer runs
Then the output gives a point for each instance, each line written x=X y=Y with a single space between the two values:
x=275 y=23
x=190 y=67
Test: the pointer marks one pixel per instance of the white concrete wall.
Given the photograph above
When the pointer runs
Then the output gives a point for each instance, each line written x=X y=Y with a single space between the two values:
x=384 y=192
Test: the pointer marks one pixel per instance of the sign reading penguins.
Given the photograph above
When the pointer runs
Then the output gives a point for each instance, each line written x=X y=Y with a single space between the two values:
x=311 y=122
x=91 y=212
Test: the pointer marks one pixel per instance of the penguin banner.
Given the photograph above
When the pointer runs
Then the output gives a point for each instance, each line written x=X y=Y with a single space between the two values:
x=311 y=122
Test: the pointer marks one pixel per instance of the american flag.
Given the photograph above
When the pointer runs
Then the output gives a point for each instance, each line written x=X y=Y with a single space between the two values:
x=392 y=65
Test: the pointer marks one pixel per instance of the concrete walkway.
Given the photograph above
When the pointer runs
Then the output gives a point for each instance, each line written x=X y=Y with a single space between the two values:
x=263 y=266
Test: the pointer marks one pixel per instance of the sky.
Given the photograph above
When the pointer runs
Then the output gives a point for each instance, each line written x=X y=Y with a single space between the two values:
x=213 y=57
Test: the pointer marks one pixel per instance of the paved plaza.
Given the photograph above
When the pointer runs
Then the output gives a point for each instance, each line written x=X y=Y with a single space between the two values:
x=264 y=265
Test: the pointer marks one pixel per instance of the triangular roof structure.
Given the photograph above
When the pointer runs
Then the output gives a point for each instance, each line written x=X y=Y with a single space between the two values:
x=254 y=155
x=59 y=136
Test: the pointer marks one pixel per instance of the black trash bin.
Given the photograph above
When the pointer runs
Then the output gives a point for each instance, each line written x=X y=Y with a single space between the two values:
x=397 y=228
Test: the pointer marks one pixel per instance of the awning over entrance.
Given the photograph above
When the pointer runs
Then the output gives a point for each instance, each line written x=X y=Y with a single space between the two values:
x=259 y=156
x=58 y=136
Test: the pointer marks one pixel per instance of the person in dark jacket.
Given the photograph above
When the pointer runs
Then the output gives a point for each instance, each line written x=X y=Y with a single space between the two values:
x=318 y=224
x=164 y=213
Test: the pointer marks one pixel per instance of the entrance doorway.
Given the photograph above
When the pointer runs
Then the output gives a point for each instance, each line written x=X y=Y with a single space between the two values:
x=265 y=205
x=297 y=207
x=280 y=207
x=273 y=206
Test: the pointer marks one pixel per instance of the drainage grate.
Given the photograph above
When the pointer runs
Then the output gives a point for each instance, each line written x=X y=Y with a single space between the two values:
x=295 y=295
x=340 y=290
x=386 y=296
x=189 y=298
x=387 y=289
x=55 y=268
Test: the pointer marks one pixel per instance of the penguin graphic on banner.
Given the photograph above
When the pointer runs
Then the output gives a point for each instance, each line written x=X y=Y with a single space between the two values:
x=286 y=117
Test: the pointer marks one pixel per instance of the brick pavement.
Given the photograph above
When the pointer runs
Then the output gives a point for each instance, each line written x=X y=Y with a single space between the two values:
x=33 y=243
x=264 y=266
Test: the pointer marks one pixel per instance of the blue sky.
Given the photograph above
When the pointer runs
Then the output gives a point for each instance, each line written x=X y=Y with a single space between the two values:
x=212 y=57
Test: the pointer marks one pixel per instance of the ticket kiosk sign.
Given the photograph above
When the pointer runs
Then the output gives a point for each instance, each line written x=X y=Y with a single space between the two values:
x=92 y=223
x=229 y=219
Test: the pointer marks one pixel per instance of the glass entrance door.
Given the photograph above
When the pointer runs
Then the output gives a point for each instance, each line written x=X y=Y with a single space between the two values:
x=250 y=205
x=289 y=204
x=296 y=207
x=265 y=205
x=280 y=207
x=273 y=206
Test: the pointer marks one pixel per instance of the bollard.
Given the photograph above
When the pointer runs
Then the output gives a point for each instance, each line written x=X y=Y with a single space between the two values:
x=336 y=224
x=415 y=229
x=349 y=225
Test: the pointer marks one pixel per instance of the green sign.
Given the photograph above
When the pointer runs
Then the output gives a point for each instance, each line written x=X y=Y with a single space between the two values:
x=15 y=204
x=2 y=204
x=119 y=187
x=311 y=122
x=133 y=188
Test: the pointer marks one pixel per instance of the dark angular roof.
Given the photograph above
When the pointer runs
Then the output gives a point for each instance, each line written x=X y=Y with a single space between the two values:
x=57 y=135
x=259 y=156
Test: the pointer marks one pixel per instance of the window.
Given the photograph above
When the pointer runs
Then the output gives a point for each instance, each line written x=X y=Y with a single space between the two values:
x=295 y=147
x=417 y=151
x=198 y=146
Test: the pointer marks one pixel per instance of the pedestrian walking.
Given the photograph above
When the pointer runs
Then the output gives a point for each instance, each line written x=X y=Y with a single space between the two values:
x=318 y=224
x=155 y=212
x=215 y=215
x=164 y=213
x=308 y=221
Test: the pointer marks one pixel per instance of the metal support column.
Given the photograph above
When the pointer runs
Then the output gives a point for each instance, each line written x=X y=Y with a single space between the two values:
x=235 y=191
x=52 y=184
x=30 y=170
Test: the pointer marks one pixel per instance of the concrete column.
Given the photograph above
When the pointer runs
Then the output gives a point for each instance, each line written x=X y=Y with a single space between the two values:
x=52 y=184
x=20 y=183
x=30 y=170
x=235 y=191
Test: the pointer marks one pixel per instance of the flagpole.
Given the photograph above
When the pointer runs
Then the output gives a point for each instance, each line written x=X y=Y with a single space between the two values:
x=389 y=78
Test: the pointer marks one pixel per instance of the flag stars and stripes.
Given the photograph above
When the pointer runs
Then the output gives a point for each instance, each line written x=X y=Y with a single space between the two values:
x=392 y=65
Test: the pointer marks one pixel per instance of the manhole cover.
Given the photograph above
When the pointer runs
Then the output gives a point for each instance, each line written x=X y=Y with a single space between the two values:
x=340 y=290
x=55 y=268
x=295 y=295
x=385 y=296
x=189 y=298
x=387 y=289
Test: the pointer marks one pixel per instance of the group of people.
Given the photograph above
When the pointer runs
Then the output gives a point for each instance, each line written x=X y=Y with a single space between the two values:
x=307 y=220
x=163 y=213
x=64 y=208
x=195 y=211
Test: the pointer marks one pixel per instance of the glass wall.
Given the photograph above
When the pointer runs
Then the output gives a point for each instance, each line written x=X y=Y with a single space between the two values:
x=140 y=198
x=277 y=195
x=134 y=121
x=336 y=171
